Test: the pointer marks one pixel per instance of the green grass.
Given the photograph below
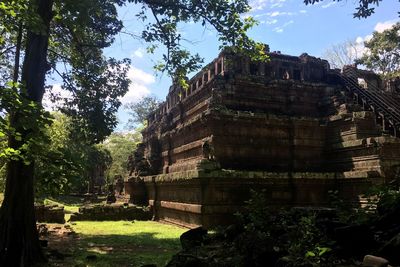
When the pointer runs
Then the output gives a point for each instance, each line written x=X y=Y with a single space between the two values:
x=124 y=243
x=68 y=207
x=117 y=243
x=71 y=204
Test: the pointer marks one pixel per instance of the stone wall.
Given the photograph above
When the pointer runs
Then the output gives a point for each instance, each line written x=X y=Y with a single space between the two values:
x=211 y=198
x=113 y=212
x=49 y=213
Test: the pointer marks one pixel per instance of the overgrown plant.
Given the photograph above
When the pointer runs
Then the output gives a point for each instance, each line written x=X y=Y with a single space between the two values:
x=289 y=236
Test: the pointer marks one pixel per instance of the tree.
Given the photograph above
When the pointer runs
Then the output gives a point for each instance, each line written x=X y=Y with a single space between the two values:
x=140 y=110
x=19 y=244
x=365 y=9
x=342 y=54
x=383 y=52
x=121 y=146
x=59 y=167
x=90 y=25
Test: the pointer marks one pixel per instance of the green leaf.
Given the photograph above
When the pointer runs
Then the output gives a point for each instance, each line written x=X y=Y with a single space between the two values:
x=310 y=254
x=323 y=250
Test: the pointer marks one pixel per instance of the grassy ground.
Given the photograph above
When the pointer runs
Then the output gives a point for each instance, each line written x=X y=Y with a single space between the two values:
x=126 y=243
x=111 y=243
x=1 y=197
x=114 y=243
x=121 y=243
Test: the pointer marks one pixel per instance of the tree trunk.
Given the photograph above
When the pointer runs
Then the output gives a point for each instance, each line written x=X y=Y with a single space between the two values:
x=19 y=242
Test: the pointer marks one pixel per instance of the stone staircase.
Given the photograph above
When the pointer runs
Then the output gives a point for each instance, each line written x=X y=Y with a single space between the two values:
x=385 y=106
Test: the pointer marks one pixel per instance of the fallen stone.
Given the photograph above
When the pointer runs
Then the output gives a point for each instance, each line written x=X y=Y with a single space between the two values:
x=192 y=238
x=49 y=213
x=373 y=261
x=391 y=250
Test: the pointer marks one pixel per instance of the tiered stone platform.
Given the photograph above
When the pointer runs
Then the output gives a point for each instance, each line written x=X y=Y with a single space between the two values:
x=286 y=126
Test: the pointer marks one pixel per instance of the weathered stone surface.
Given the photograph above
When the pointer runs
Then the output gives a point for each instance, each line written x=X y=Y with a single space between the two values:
x=49 y=213
x=288 y=126
x=373 y=261
x=192 y=238
x=113 y=212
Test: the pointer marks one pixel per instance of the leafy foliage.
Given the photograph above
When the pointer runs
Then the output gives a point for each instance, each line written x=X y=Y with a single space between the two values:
x=63 y=163
x=96 y=83
x=120 y=146
x=31 y=117
x=139 y=111
x=365 y=9
x=224 y=16
x=292 y=236
x=383 y=52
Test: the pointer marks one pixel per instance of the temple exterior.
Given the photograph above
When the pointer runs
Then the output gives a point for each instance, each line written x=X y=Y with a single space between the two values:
x=291 y=126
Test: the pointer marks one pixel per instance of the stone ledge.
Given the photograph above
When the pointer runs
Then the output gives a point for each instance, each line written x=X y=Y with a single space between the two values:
x=228 y=174
x=113 y=212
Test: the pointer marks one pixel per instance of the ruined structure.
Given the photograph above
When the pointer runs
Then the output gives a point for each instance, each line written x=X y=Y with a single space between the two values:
x=291 y=126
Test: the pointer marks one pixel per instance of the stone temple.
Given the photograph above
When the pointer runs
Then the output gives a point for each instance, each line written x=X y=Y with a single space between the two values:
x=290 y=126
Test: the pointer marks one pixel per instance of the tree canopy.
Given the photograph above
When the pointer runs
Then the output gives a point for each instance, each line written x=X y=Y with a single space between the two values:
x=141 y=109
x=342 y=54
x=364 y=9
x=383 y=52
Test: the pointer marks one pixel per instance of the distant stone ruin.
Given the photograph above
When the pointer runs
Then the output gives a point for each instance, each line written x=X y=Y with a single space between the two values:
x=49 y=213
x=291 y=126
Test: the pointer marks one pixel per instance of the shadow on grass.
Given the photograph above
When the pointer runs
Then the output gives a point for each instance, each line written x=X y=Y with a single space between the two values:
x=121 y=250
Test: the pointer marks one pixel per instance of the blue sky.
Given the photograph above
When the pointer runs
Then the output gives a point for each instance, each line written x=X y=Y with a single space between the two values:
x=286 y=25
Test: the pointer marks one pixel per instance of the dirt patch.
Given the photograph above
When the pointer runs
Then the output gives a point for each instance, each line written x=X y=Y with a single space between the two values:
x=59 y=241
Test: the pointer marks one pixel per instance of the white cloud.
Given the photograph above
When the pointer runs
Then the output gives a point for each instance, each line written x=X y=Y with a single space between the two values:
x=359 y=40
x=359 y=48
x=274 y=21
x=278 y=13
x=140 y=76
x=140 y=80
x=368 y=37
x=54 y=97
x=139 y=53
x=330 y=4
x=274 y=14
x=303 y=11
x=258 y=4
x=278 y=3
x=280 y=29
x=382 y=26
x=263 y=4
